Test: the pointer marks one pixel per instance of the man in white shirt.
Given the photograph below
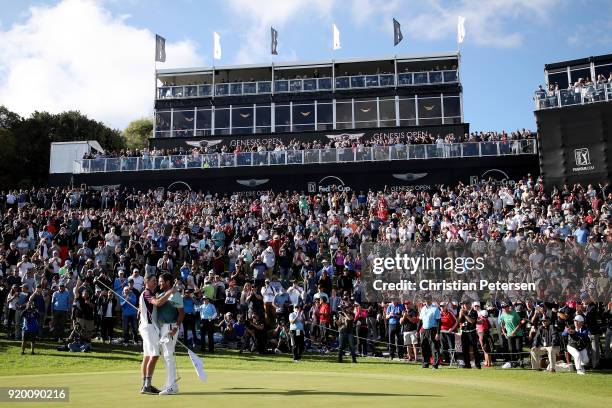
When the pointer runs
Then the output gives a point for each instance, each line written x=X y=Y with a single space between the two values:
x=295 y=292
x=138 y=280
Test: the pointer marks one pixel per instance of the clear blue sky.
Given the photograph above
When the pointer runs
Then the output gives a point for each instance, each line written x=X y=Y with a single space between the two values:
x=81 y=54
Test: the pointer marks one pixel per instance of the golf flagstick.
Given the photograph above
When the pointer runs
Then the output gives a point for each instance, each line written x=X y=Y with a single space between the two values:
x=197 y=362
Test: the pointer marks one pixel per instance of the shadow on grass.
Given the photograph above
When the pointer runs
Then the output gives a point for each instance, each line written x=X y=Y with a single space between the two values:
x=291 y=393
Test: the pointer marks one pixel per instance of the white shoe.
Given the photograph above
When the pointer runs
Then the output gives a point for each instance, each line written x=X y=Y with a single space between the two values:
x=169 y=390
x=507 y=365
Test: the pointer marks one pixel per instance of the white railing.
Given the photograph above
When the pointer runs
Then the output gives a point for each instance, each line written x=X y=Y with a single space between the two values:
x=311 y=156
x=593 y=93
x=308 y=84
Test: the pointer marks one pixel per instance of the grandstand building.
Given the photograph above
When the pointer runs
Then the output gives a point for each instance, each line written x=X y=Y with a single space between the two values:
x=574 y=117
x=378 y=113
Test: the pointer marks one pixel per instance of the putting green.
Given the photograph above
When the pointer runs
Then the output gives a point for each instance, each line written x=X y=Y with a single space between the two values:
x=298 y=388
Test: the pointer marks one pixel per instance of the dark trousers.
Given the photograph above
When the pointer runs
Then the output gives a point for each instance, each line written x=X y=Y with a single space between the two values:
x=430 y=347
x=207 y=330
x=470 y=339
x=59 y=320
x=447 y=343
x=395 y=335
x=127 y=323
x=362 y=338
x=346 y=338
x=107 y=328
x=297 y=344
x=189 y=323
x=10 y=322
x=515 y=346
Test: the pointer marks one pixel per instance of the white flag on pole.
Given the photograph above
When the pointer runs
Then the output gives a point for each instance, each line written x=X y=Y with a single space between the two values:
x=217 y=46
x=460 y=29
x=198 y=364
x=336 y=37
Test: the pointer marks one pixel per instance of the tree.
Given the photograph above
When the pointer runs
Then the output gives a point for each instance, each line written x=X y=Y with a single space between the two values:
x=28 y=160
x=8 y=158
x=137 y=133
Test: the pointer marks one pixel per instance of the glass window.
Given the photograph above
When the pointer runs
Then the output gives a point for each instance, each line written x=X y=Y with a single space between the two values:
x=183 y=120
x=242 y=117
x=282 y=118
x=262 y=116
x=203 y=118
x=582 y=73
x=386 y=109
x=430 y=111
x=222 y=121
x=344 y=115
x=365 y=111
x=420 y=77
x=162 y=121
x=407 y=112
x=558 y=78
x=325 y=116
x=605 y=70
x=303 y=117
x=452 y=106
x=435 y=77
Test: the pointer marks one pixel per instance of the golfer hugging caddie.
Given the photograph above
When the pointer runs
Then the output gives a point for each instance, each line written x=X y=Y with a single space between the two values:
x=159 y=318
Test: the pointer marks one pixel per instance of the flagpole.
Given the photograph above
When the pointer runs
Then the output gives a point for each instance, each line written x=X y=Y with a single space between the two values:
x=155 y=93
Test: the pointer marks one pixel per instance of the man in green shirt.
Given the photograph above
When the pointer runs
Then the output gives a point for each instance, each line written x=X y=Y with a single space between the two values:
x=209 y=291
x=511 y=325
x=170 y=316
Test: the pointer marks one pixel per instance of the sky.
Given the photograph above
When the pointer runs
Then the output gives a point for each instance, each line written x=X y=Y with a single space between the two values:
x=97 y=56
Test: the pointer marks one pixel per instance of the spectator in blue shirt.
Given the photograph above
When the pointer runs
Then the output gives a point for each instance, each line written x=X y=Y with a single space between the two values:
x=296 y=331
x=430 y=340
x=189 y=322
x=581 y=234
x=60 y=306
x=208 y=313
x=393 y=314
x=128 y=313
x=120 y=282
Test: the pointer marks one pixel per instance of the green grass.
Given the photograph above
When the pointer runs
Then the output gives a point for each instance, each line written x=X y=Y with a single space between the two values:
x=110 y=377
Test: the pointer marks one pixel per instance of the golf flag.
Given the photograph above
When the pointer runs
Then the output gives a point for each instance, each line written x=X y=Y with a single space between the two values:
x=397 y=32
x=160 y=48
x=217 y=46
x=274 y=41
x=460 y=29
x=336 y=37
x=198 y=364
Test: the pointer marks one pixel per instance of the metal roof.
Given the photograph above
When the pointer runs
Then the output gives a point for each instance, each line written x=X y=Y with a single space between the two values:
x=579 y=61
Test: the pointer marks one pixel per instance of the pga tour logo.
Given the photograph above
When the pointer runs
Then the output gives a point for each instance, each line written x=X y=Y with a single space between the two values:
x=582 y=157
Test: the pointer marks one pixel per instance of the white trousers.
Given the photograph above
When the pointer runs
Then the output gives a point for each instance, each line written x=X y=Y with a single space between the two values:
x=168 y=343
x=580 y=357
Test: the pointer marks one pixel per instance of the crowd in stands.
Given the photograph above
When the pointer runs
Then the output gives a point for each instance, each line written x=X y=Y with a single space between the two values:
x=583 y=90
x=384 y=139
x=287 y=272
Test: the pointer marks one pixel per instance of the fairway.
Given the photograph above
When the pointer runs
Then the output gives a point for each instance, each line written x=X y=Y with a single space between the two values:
x=112 y=379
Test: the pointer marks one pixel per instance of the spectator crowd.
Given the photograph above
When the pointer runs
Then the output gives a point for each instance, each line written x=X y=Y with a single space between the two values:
x=288 y=272
x=276 y=145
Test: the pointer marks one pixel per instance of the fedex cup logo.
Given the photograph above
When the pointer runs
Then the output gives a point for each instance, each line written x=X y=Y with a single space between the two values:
x=328 y=184
x=582 y=157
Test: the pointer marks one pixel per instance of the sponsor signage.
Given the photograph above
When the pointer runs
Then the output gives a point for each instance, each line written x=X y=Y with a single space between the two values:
x=327 y=184
x=402 y=134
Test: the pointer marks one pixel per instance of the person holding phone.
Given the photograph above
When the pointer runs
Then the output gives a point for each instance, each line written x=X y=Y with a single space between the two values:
x=296 y=332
